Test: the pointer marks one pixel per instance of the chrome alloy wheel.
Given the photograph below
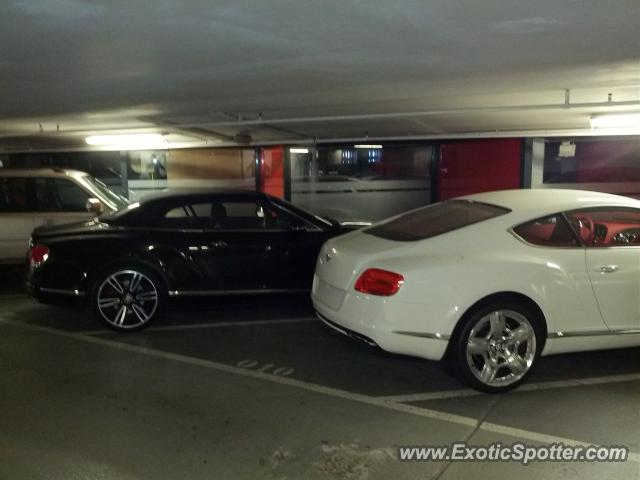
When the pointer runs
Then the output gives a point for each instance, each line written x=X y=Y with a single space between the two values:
x=501 y=348
x=127 y=299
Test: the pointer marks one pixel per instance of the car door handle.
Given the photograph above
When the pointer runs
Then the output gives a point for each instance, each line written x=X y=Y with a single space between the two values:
x=609 y=268
x=219 y=244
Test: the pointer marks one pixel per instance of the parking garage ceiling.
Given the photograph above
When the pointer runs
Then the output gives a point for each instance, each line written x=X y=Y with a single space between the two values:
x=205 y=72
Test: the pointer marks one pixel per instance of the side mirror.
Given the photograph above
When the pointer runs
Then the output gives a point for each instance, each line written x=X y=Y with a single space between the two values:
x=94 y=206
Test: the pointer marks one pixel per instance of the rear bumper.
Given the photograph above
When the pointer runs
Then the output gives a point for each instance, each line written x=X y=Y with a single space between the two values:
x=379 y=321
x=349 y=333
x=58 y=294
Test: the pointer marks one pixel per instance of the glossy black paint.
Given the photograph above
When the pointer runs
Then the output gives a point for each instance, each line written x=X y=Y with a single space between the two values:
x=190 y=259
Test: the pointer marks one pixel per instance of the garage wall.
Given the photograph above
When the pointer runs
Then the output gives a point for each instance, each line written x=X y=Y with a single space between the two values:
x=609 y=165
x=468 y=167
x=191 y=169
x=361 y=182
x=230 y=164
x=351 y=183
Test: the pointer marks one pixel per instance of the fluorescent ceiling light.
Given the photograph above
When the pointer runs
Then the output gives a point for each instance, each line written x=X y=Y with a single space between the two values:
x=299 y=150
x=368 y=146
x=617 y=120
x=131 y=141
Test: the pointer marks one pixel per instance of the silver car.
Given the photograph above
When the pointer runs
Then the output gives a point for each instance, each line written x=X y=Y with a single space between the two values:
x=30 y=198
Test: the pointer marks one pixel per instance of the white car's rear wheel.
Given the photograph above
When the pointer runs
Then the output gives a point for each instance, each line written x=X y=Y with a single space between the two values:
x=498 y=346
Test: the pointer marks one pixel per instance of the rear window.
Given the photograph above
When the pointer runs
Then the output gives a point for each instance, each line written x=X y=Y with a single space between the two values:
x=435 y=220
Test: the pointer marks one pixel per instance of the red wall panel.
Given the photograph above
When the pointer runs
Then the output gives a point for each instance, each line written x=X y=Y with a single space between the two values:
x=468 y=167
x=608 y=161
x=272 y=171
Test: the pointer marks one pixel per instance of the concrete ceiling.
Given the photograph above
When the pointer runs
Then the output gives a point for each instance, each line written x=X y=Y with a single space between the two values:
x=204 y=71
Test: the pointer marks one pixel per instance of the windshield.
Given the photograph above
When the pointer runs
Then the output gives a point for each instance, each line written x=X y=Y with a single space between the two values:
x=113 y=200
x=326 y=221
x=435 y=220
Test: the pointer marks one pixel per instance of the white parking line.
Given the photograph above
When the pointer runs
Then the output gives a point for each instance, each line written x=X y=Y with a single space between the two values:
x=197 y=326
x=527 y=387
x=334 y=392
x=426 y=396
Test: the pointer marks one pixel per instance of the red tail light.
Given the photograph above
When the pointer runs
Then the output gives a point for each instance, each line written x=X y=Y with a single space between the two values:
x=38 y=254
x=379 y=282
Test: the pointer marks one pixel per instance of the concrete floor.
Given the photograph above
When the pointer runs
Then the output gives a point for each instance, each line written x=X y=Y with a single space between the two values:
x=257 y=388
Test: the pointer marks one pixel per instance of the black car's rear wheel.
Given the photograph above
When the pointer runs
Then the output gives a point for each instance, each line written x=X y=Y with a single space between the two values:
x=127 y=299
x=498 y=346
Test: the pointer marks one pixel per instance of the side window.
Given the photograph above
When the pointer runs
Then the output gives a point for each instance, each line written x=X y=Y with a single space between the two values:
x=46 y=197
x=245 y=215
x=178 y=212
x=203 y=215
x=180 y=217
x=72 y=198
x=229 y=215
x=252 y=215
x=551 y=231
x=607 y=226
x=14 y=195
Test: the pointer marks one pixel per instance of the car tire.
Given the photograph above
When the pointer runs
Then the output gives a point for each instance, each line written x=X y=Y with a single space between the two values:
x=498 y=346
x=128 y=297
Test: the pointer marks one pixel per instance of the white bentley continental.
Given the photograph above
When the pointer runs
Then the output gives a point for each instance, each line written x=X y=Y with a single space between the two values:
x=490 y=281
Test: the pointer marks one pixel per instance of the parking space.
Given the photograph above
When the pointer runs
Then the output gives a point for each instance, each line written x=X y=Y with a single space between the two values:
x=276 y=344
x=281 y=335
x=283 y=362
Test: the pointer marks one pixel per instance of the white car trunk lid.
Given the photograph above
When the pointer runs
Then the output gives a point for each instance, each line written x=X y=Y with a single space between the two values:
x=342 y=258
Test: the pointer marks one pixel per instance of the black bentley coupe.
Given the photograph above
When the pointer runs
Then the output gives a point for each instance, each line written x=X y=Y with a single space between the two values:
x=127 y=263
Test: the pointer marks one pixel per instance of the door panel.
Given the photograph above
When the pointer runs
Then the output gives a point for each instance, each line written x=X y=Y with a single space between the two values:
x=299 y=261
x=185 y=254
x=612 y=237
x=294 y=244
x=237 y=259
x=244 y=243
x=615 y=276
x=227 y=243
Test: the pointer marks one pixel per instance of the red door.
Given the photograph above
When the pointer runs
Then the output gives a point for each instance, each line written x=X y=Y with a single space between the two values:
x=475 y=166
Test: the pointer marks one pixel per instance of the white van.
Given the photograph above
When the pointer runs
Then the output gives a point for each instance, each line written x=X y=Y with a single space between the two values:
x=50 y=196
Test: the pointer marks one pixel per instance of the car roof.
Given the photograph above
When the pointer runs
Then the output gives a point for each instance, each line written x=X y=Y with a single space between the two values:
x=541 y=201
x=41 y=172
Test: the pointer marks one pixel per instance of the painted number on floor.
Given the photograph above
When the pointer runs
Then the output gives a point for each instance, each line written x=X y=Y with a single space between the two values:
x=266 y=367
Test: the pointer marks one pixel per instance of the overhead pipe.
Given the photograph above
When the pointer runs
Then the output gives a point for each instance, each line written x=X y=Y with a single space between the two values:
x=395 y=115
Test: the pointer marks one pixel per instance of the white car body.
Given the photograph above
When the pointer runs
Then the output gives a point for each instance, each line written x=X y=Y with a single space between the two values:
x=589 y=297
x=18 y=223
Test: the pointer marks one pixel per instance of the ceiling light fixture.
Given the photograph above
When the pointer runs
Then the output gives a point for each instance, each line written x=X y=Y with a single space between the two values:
x=128 y=141
x=368 y=146
x=299 y=150
x=616 y=120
